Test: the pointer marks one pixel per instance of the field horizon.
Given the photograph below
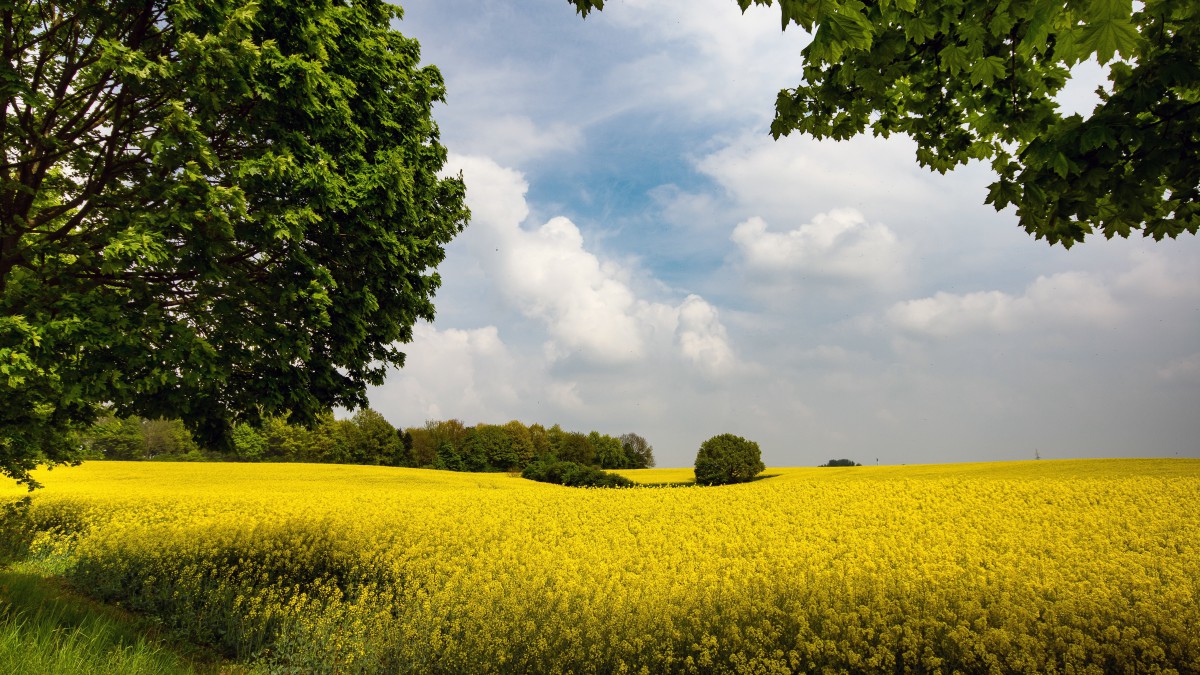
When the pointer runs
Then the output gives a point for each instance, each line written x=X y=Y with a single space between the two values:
x=651 y=476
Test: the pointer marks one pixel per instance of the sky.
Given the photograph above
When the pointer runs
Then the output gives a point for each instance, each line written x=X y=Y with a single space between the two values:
x=643 y=257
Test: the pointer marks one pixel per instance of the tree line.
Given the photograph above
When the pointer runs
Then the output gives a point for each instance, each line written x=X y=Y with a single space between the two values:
x=368 y=438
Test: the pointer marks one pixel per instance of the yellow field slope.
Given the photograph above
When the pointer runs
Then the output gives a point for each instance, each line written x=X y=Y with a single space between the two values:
x=1064 y=566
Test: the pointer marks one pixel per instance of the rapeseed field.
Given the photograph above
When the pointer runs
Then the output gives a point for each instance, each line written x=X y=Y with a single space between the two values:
x=1083 y=566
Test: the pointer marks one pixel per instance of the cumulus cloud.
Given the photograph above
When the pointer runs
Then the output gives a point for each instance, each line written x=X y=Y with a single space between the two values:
x=552 y=277
x=586 y=304
x=839 y=245
x=872 y=175
x=702 y=338
x=1065 y=298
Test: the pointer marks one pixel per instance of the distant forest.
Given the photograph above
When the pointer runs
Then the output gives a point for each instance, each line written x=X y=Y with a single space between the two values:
x=368 y=438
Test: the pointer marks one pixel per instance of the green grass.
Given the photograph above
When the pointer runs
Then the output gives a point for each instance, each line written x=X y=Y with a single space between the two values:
x=45 y=628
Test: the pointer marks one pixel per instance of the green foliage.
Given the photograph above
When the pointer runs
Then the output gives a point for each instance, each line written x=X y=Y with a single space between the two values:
x=368 y=438
x=639 y=454
x=608 y=451
x=727 y=459
x=573 y=446
x=585 y=6
x=330 y=441
x=167 y=438
x=521 y=440
x=134 y=438
x=44 y=629
x=17 y=530
x=970 y=80
x=572 y=474
x=840 y=462
x=406 y=442
x=540 y=438
x=210 y=210
x=449 y=458
x=285 y=442
x=423 y=451
x=451 y=431
x=373 y=440
x=451 y=445
x=489 y=448
x=118 y=438
x=248 y=444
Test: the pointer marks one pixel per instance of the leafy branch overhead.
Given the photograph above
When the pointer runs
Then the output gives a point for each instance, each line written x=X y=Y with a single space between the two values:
x=970 y=80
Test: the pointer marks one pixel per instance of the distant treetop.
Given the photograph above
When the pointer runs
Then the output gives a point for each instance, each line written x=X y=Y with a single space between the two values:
x=840 y=462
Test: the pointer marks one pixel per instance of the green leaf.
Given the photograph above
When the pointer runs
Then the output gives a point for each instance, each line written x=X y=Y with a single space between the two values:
x=1061 y=165
x=1108 y=37
x=953 y=59
x=1099 y=10
x=1097 y=135
x=986 y=71
x=1002 y=193
x=918 y=28
x=1037 y=29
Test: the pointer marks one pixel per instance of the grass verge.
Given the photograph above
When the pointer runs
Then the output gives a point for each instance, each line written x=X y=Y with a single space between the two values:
x=46 y=629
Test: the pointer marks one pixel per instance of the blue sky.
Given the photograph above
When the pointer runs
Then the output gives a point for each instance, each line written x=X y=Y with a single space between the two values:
x=643 y=257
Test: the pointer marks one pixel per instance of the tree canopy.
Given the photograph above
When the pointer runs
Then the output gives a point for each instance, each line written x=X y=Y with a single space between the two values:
x=839 y=462
x=365 y=438
x=213 y=210
x=727 y=458
x=974 y=80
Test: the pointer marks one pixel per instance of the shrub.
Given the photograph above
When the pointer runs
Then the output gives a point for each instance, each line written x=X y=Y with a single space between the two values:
x=727 y=459
x=572 y=474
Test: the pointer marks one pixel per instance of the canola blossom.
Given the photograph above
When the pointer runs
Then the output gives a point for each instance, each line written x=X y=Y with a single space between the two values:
x=1079 y=566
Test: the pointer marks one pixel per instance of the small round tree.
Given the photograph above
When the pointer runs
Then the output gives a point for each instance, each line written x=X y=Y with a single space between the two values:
x=727 y=459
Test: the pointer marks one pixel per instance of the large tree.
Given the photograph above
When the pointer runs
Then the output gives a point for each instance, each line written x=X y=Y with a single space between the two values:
x=373 y=440
x=209 y=209
x=726 y=458
x=977 y=79
x=639 y=454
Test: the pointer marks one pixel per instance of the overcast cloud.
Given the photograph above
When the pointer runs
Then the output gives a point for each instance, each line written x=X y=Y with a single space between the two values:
x=643 y=257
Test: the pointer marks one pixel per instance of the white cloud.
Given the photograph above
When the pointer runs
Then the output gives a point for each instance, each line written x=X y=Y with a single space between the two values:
x=947 y=314
x=676 y=94
x=718 y=28
x=1065 y=298
x=707 y=57
x=839 y=245
x=872 y=175
x=587 y=305
x=702 y=338
x=495 y=194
